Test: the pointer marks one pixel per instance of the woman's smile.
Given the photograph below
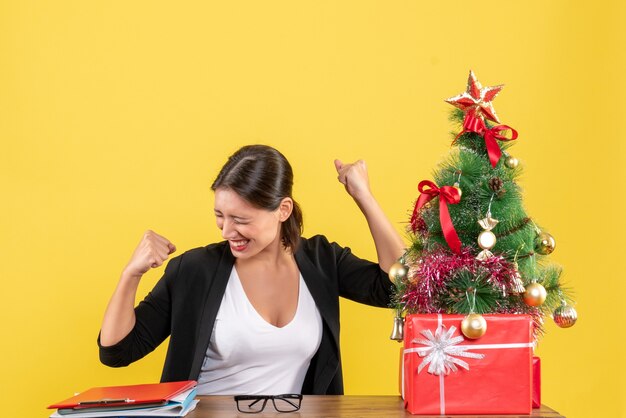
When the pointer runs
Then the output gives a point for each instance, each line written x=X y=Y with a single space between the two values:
x=239 y=245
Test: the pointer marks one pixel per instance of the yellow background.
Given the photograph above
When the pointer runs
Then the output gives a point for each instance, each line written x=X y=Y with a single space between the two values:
x=116 y=116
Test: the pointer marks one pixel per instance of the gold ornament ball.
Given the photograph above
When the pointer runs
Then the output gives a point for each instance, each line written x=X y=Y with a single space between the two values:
x=397 y=271
x=544 y=243
x=511 y=162
x=565 y=316
x=535 y=294
x=486 y=240
x=457 y=186
x=474 y=326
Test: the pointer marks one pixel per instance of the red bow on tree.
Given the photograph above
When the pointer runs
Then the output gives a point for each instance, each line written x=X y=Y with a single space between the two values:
x=472 y=123
x=447 y=194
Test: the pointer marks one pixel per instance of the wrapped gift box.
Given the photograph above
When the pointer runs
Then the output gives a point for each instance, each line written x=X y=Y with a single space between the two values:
x=445 y=373
x=536 y=382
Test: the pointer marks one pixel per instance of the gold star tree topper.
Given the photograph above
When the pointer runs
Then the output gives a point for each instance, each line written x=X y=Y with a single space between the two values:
x=477 y=99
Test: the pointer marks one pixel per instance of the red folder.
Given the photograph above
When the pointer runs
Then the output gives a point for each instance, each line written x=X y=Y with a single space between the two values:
x=116 y=396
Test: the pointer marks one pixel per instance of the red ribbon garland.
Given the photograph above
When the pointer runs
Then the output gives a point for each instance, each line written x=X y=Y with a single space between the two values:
x=471 y=123
x=447 y=194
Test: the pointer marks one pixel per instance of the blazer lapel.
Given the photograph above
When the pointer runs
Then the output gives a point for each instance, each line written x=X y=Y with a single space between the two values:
x=324 y=295
x=213 y=300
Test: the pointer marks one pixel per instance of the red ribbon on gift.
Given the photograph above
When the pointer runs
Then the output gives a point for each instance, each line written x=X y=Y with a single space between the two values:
x=447 y=194
x=471 y=123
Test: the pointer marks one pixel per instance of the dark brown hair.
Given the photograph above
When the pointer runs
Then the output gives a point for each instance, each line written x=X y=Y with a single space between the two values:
x=262 y=176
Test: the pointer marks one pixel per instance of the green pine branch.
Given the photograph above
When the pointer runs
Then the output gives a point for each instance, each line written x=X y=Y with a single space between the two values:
x=470 y=293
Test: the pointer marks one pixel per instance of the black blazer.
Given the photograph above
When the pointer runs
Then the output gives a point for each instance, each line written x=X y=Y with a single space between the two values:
x=185 y=302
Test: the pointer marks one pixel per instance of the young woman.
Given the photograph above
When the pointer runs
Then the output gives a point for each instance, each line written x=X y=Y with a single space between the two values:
x=257 y=313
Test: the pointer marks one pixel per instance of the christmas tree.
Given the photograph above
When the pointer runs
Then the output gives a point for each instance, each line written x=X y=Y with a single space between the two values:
x=474 y=248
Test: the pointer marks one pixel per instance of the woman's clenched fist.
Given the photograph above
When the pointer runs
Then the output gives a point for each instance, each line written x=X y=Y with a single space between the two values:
x=152 y=251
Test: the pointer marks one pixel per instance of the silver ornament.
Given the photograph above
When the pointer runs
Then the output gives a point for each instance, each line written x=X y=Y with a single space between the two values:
x=397 y=334
x=518 y=283
x=565 y=316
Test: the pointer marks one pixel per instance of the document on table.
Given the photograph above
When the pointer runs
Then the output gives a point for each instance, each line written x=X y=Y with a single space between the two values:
x=178 y=406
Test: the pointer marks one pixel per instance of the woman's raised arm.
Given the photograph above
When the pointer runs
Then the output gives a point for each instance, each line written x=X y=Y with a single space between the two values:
x=389 y=244
x=119 y=317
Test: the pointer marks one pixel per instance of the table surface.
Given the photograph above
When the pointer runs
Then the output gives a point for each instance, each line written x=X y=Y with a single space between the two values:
x=335 y=407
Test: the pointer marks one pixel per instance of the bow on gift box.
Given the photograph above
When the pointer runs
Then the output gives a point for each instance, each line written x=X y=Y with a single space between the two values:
x=447 y=194
x=440 y=351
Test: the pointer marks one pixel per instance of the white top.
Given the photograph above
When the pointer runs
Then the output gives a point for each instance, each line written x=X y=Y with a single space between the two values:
x=247 y=355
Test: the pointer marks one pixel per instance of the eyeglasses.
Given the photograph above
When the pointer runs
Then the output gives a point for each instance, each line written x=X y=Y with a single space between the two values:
x=253 y=404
